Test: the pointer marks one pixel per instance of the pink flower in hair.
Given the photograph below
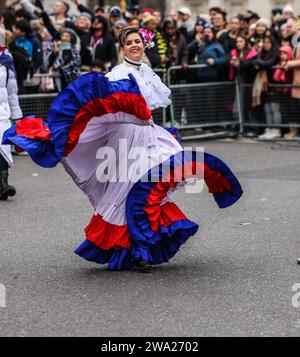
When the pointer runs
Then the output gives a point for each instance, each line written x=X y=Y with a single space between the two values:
x=148 y=37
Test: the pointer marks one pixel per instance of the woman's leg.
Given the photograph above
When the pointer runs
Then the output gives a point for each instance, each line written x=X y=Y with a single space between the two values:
x=5 y=189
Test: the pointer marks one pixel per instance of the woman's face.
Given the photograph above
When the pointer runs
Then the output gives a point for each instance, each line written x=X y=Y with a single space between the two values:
x=268 y=44
x=173 y=14
x=219 y=20
x=208 y=33
x=97 y=25
x=117 y=30
x=261 y=29
x=283 y=56
x=59 y=8
x=152 y=25
x=134 y=47
x=65 y=37
x=135 y=23
x=199 y=28
x=235 y=25
x=83 y=23
x=240 y=43
x=170 y=30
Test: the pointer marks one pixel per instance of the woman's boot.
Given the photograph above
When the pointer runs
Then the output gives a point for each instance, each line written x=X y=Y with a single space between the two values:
x=5 y=189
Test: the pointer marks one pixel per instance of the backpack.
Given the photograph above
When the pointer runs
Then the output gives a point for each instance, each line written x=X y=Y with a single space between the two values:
x=21 y=60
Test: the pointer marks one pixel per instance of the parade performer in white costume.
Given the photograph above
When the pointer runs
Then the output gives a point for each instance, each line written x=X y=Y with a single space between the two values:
x=97 y=128
x=9 y=109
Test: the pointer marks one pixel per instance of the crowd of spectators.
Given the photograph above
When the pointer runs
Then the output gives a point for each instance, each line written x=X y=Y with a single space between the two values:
x=260 y=51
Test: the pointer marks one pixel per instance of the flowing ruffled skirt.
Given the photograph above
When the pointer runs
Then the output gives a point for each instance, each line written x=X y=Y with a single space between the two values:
x=99 y=131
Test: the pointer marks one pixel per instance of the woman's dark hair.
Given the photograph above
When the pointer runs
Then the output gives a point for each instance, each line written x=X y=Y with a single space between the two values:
x=67 y=6
x=9 y=18
x=103 y=21
x=72 y=34
x=247 y=48
x=23 y=13
x=126 y=32
x=271 y=39
x=24 y=26
x=169 y=21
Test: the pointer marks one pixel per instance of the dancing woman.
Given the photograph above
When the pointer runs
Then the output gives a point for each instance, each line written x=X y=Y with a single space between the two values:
x=97 y=128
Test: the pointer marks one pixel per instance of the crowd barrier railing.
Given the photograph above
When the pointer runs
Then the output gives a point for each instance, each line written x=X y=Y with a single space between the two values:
x=277 y=107
x=202 y=105
x=195 y=105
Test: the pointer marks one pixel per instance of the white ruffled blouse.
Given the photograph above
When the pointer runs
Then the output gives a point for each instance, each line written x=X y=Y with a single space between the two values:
x=152 y=88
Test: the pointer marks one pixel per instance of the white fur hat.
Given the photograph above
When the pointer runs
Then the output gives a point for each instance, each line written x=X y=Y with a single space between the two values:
x=288 y=8
x=263 y=21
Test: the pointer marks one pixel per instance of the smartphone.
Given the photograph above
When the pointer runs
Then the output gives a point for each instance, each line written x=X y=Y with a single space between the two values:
x=65 y=46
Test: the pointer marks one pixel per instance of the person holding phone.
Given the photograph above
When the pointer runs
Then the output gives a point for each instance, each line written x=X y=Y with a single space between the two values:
x=64 y=59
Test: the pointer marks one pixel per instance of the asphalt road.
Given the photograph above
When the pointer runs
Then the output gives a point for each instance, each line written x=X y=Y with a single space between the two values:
x=234 y=278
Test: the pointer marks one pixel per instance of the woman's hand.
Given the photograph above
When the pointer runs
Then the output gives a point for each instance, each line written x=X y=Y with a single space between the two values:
x=210 y=61
x=151 y=122
x=56 y=47
x=287 y=66
x=235 y=62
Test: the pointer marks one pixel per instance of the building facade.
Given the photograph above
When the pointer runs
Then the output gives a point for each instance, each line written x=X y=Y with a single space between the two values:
x=233 y=7
x=262 y=7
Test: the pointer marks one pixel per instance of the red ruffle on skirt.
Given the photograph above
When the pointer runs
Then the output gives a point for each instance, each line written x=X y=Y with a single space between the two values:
x=106 y=235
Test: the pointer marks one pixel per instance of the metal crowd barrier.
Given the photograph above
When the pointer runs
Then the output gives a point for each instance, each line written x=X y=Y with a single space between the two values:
x=221 y=106
x=277 y=107
x=197 y=105
x=36 y=104
x=39 y=104
x=159 y=115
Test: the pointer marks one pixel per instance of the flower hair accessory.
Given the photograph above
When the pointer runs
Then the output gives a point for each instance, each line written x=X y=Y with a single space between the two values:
x=148 y=37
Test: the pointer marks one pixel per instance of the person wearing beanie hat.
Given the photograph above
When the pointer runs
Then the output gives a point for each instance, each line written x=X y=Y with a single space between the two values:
x=136 y=12
x=185 y=11
x=261 y=27
x=63 y=59
x=83 y=23
x=115 y=14
x=186 y=24
x=118 y=27
x=288 y=12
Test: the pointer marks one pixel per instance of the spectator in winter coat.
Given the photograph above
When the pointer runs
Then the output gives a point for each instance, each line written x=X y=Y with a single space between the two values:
x=20 y=31
x=219 y=23
x=212 y=55
x=9 y=109
x=242 y=60
x=150 y=23
x=264 y=63
x=99 y=44
x=242 y=64
x=60 y=14
x=187 y=25
x=228 y=38
x=294 y=65
x=177 y=52
x=262 y=26
x=64 y=59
